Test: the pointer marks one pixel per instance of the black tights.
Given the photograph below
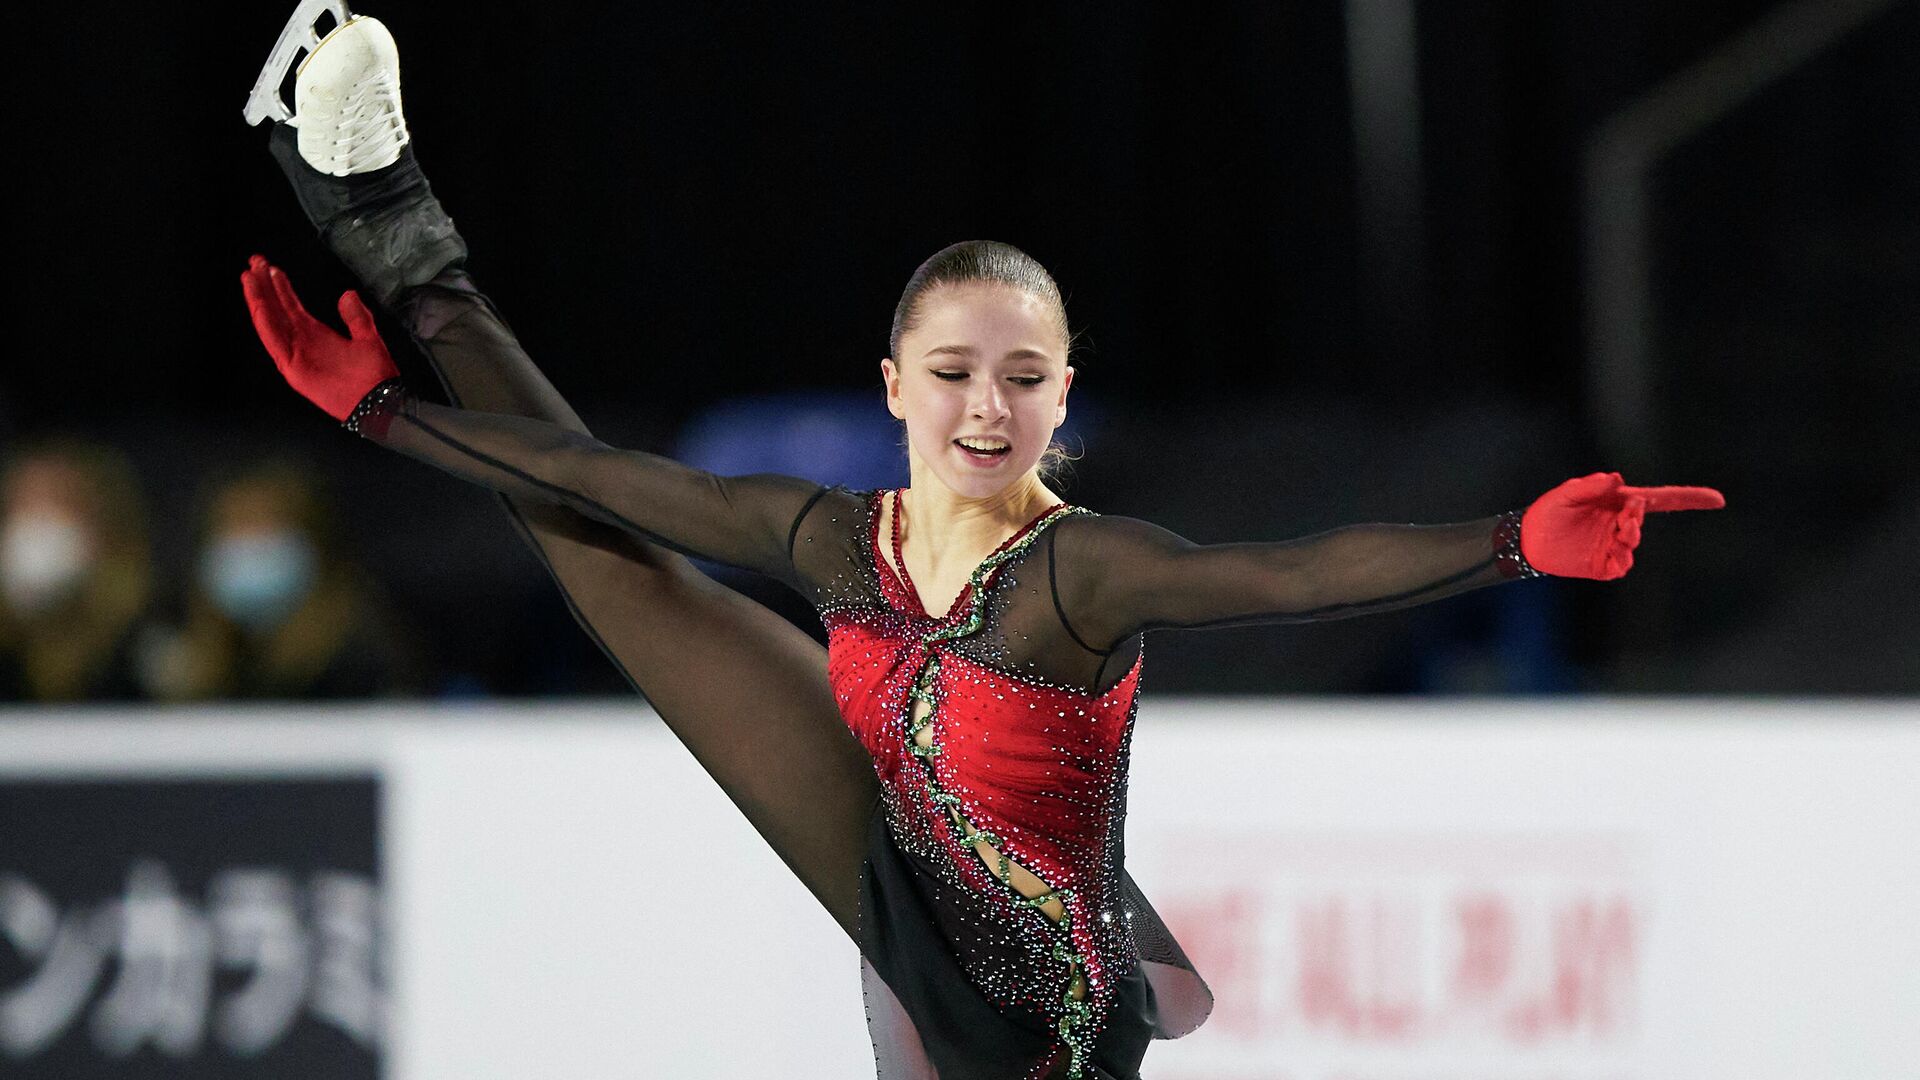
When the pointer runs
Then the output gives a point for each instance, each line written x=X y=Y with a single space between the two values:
x=745 y=690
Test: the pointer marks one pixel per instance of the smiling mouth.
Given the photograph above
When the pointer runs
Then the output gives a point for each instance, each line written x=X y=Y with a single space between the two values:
x=997 y=452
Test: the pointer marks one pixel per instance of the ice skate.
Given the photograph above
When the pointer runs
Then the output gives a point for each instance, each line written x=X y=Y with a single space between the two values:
x=345 y=148
x=298 y=36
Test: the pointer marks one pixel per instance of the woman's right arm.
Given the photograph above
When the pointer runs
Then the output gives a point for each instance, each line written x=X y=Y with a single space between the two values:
x=743 y=521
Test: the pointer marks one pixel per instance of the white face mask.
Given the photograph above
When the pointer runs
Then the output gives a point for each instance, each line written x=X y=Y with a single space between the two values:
x=42 y=559
x=260 y=578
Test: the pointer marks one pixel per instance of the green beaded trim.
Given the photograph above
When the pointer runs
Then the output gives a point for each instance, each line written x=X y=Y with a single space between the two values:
x=982 y=836
x=975 y=613
x=1074 y=1014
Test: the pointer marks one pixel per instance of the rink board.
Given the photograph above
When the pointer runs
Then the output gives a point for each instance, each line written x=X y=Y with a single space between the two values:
x=1501 y=890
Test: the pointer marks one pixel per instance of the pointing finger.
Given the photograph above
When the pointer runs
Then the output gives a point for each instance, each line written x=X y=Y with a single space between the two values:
x=1680 y=498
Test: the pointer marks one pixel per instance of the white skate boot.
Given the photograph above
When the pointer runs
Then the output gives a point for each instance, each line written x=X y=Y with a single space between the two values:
x=346 y=100
x=345 y=148
x=346 y=92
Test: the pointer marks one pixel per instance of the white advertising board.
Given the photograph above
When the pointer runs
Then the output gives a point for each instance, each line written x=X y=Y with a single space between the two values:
x=1473 y=890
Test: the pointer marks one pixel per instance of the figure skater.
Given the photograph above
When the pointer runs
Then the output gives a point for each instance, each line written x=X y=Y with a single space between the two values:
x=948 y=775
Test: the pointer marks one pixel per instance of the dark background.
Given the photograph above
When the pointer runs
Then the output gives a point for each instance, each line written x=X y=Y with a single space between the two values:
x=680 y=208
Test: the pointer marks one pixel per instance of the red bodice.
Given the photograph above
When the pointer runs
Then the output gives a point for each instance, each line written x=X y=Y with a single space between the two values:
x=1038 y=767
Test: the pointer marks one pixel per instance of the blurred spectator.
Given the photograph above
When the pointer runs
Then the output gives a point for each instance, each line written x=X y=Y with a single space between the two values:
x=274 y=608
x=74 y=575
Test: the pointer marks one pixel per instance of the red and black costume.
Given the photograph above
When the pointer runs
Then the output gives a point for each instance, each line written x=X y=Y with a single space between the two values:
x=1033 y=678
x=1001 y=724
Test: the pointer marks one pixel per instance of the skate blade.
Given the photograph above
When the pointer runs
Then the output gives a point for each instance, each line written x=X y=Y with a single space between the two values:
x=296 y=37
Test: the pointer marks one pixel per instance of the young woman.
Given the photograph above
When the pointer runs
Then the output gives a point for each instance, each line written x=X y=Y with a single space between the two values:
x=948 y=776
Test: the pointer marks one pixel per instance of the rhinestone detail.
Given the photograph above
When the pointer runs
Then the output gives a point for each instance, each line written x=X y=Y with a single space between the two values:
x=365 y=418
x=1074 y=1012
x=1507 y=556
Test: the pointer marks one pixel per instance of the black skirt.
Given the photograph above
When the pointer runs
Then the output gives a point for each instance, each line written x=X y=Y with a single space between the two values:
x=929 y=1021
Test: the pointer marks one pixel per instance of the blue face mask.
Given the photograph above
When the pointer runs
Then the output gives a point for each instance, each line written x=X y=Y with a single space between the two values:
x=258 y=579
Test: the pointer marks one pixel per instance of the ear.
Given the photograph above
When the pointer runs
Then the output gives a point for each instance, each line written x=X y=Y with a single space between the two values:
x=891 y=375
x=1060 y=411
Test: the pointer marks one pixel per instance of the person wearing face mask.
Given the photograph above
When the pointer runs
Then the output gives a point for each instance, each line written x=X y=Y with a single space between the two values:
x=274 y=610
x=74 y=575
x=948 y=775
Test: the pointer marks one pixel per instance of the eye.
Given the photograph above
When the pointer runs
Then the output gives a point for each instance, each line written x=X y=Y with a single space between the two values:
x=1023 y=380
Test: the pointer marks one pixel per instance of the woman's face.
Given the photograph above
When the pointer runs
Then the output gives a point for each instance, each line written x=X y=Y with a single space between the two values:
x=987 y=364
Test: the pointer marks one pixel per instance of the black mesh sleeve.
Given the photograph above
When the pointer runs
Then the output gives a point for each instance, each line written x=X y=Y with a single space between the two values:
x=1117 y=576
x=703 y=654
x=744 y=521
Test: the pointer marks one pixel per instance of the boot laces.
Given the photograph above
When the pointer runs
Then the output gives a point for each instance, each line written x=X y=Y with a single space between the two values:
x=370 y=125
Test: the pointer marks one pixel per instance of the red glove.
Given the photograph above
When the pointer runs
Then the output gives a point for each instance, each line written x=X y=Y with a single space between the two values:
x=1589 y=526
x=332 y=371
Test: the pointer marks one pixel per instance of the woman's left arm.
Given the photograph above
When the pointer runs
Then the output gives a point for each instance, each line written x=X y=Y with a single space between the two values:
x=1117 y=576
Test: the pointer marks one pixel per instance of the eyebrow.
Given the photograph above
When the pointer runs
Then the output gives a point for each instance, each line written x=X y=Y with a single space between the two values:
x=968 y=350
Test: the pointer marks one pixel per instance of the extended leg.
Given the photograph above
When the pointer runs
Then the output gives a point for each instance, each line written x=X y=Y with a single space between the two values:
x=745 y=690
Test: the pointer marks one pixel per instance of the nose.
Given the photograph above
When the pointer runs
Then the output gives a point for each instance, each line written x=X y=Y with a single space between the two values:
x=989 y=401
